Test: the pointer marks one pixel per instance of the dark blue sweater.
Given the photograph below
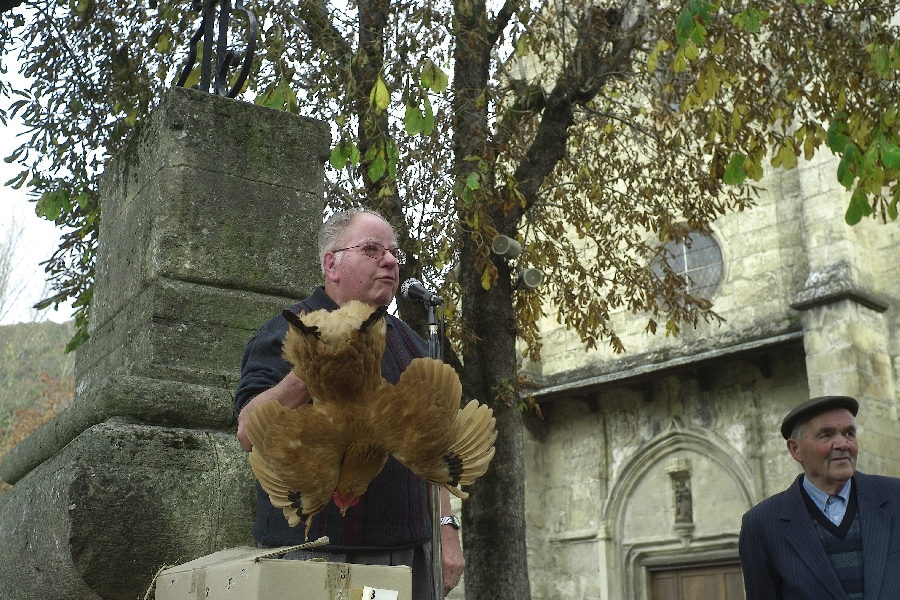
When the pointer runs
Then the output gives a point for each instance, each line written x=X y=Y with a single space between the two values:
x=393 y=513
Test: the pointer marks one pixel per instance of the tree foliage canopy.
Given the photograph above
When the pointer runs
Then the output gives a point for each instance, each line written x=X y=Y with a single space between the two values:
x=667 y=111
x=589 y=131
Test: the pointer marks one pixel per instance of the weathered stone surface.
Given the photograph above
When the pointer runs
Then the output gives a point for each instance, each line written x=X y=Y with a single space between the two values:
x=833 y=284
x=171 y=358
x=213 y=191
x=173 y=326
x=119 y=502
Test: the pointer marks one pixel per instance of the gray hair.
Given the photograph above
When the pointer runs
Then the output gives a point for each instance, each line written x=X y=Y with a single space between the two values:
x=331 y=235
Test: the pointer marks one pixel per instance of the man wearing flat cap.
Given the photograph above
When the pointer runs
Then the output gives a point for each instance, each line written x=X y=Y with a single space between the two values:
x=835 y=533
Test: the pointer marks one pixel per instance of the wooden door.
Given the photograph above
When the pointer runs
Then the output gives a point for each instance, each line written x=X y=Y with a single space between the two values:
x=717 y=582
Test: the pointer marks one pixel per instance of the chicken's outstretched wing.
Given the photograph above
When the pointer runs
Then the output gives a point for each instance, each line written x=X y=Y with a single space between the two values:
x=421 y=424
x=296 y=457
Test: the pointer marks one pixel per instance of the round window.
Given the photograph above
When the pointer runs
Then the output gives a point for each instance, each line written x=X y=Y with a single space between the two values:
x=699 y=260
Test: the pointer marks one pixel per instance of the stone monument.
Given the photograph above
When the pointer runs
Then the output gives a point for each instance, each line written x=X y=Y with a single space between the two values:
x=211 y=212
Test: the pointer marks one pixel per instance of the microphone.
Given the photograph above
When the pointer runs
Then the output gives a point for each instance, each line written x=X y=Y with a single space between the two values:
x=412 y=289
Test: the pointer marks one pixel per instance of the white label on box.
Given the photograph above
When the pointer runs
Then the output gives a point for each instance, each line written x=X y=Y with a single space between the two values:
x=377 y=594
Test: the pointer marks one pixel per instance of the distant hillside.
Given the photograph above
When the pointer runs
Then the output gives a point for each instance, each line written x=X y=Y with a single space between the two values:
x=36 y=378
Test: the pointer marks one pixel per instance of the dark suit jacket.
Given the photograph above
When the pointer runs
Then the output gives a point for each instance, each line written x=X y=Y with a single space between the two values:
x=783 y=558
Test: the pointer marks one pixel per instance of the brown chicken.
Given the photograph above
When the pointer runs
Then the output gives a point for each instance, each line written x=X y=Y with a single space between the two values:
x=332 y=448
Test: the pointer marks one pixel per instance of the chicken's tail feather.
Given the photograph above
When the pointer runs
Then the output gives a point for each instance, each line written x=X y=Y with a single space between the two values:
x=376 y=316
x=295 y=320
x=456 y=492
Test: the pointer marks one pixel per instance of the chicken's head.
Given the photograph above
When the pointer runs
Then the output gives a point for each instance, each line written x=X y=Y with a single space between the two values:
x=343 y=503
x=362 y=462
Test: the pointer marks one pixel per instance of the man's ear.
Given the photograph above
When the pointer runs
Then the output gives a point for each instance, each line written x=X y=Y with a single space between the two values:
x=329 y=264
x=793 y=447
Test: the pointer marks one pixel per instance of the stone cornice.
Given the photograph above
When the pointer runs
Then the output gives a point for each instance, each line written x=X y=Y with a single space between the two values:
x=835 y=290
x=647 y=368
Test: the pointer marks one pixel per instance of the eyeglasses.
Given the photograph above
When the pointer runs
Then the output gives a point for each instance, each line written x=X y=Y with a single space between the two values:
x=376 y=251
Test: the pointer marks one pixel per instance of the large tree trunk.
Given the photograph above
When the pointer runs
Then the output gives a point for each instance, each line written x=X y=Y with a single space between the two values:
x=494 y=515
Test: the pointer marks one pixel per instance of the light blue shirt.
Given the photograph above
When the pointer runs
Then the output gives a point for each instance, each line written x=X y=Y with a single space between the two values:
x=833 y=507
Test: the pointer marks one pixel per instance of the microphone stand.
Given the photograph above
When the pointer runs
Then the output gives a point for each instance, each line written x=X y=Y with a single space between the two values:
x=435 y=350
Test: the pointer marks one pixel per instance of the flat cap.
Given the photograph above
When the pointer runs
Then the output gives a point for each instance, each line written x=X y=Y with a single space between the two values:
x=813 y=407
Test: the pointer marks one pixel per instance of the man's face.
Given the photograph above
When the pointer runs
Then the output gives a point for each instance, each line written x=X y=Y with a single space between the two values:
x=827 y=449
x=356 y=276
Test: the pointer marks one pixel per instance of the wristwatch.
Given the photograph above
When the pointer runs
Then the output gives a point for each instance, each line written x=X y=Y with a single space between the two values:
x=451 y=520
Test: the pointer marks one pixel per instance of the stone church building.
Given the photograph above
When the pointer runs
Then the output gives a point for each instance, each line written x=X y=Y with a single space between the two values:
x=647 y=460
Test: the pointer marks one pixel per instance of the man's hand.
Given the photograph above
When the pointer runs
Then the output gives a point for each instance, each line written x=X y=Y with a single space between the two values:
x=291 y=392
x=451 y=558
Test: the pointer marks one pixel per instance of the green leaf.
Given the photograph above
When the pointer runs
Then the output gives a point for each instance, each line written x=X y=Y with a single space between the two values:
x=272 y=97
x=734 y=172
x=193 y=79
x=338 y=158
x=433 y=78
x=880 y=59
x=413 y=120
x=679 y=65
x=691 y=51
x=684 y=26
x=671 y=329
x=473 y=181
x=652 y=60
x=522 y=48
x=859 y=207
x=845 y=168
x=15 y=155
x=698 y=34
x=162 y=44
x=380 y=97
x=15 y=106
x=429 y=118
x=788 y=158
x=750 y=20
x=393 y=154
x=486 y=279
x=890 y=156
x=52 y=204
x=81 y=200
x=18 y=181
x=377 y=169
x=836 y=139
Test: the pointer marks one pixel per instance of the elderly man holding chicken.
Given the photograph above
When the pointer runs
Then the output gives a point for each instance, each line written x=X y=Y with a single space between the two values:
x=389 y=524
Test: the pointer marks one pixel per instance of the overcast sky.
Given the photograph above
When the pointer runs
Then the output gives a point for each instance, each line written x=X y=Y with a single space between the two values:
x=39 y=239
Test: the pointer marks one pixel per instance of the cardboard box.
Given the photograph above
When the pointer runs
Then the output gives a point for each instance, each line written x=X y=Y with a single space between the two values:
x=241 y=574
